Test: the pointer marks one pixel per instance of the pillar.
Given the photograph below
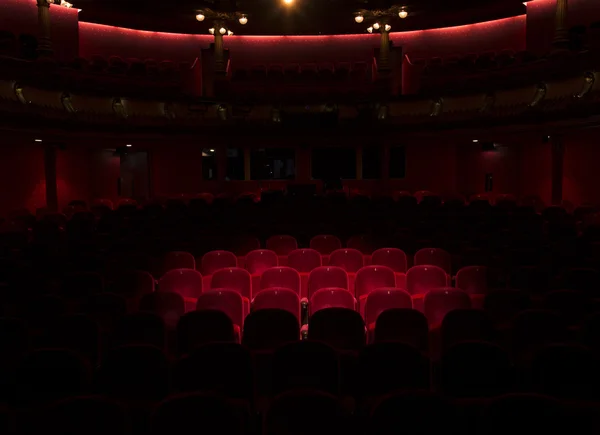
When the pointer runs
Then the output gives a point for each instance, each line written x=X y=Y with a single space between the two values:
x=561 y=31
x=44 y=40
x=383 y=63
x=221 y=162
x=50 y=177
x=359 y=162
x=558 y=152
x=219 y=50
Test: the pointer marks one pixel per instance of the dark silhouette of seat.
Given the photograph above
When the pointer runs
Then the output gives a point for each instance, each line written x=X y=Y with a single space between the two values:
x=306 y=365
x=201 y=327
x=269 y=328
x=208 y=412
x=475 y=369
x=340 y=328
x=388 y=367
x=47 y=375
x=223 y=368
x=305 y=412
x=412 y=413
x=134 y=373
x=141 y=328
x=403 y=326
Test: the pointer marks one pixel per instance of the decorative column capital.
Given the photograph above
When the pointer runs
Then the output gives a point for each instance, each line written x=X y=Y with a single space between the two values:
x=44 y=3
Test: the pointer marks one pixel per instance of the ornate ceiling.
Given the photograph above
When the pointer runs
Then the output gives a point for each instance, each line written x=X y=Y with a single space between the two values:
x=302 y=17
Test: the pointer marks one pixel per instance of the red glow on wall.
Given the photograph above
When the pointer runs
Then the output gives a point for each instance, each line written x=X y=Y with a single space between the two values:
x=492 y=35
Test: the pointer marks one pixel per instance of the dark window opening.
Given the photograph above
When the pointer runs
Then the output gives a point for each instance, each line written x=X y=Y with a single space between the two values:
x=333 y=163
x=235 y=164
x=371 y=161
x=209 y=164
x=273 y=164
x=397 y=162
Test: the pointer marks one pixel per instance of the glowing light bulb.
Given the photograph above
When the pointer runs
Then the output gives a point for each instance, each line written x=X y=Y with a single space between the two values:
x=376 y=26
x=211 y=31
x=388 y=27
x=222 y=30
x=200 y=17
x=359 y=18
x=370 y=29
x=288 y=2
x=229 y=33
x=243 y=20
x=403 y=14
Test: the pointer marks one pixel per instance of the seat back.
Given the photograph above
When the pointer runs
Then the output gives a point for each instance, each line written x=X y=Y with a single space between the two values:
x=186 y=282
x=304 y=260
x=472 y=279
x=233 y=278
x=385 y=299
x=227 y=301
x=434 y=257
x=332 y=298
x=260 y=260
x=280 y=277
x=326 y=276
x=215 y=260
x=439 y=302
x=351 y=260
x=371 y=278
x=325 y=244
x=393 y=258
x=282 y=245
x=278 y=298
x=421 y=279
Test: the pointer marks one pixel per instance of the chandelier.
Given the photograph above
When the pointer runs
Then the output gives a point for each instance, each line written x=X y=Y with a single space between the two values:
x=380 y=17
x=222 y=17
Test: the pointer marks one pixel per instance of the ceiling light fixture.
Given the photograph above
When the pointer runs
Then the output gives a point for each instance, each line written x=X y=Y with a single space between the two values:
x=200 y=17
x=388 y=27
x=128 y=145
x=376 y=26
x=243 y=20
x=288 y=2
x=475 y=140
x=38 y=140
x=229 y=33
x=359 y=18
x=370 y=29
x=222 y=30
x=211 y=150
x=211 y=31
x=403 y=14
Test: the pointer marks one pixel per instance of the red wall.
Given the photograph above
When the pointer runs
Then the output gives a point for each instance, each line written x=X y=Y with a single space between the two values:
x=21 y=17
x=581 y=171
x=22 y=178
x=493 y=35
x=541 y=18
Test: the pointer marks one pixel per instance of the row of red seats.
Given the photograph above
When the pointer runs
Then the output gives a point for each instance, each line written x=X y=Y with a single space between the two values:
x=340 y=71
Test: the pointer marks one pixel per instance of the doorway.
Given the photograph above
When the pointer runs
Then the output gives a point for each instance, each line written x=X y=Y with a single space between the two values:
x=134 y=179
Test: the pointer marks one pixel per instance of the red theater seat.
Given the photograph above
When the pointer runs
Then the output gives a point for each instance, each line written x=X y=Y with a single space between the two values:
x=116 y=65
x=227 y=301
x=233 y=278
x=359 y=72
x=275 y=73
x=292 y=72
x=282 y=245
x=179 y=260
x=332 y=298
x=258 y=73
x=215 y=260
x=439 y=302
x=371 y=278
x=342 y=71
x=260 y=260
x=325 y=71
x=308 y=71
x=421 y=279
x=282 y=277
x=351 y=260
x=325 y=244
x=98 y=64
x=326 y=276
x=393 y=258
x=384 y=299
x=474 y=281
x=279 y=298
x=434 y=257
x=186 y=282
